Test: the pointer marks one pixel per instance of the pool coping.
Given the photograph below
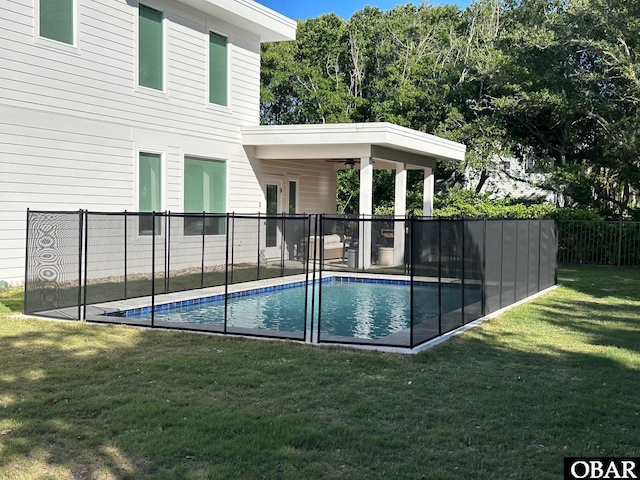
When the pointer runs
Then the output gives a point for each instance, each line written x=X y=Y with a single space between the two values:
x=210 y=294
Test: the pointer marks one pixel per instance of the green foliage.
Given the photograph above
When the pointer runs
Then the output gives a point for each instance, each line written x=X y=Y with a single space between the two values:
x=11 y=300
x=467 y=203
x=582 y=213
x=348 y=190
x=556 y=81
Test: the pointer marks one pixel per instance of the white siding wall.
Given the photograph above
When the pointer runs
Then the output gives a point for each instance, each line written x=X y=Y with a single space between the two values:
x=72 y=119
x=317 y=181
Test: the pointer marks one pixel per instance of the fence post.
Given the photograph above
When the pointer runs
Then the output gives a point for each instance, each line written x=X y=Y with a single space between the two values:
x=80 y=231
x=204 y=219
x=258 y=270
x=86 y=263
x=463 y=270
x=439 y=276
x=282 y=245
x=483 y=267
x=226 y=275
x=411 y=280
x=153 y=267
x=26 y=265
x=305 y=258
x=555 y=276
x=620 y=246
x=313 y=277
x=167 y=249
x=320 y=244
x=233 y=241
x=528 y=252
x=501 y=259
x=126 y=294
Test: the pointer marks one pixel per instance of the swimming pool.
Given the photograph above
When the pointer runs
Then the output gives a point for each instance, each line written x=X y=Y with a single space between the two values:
x=366 y=309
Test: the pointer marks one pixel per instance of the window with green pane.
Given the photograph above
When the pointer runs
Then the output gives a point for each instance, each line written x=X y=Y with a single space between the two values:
x=205 y=183
x=293 y=196
x=150 y=48
x=56 y=20
x=217 y=69
x=149 y=191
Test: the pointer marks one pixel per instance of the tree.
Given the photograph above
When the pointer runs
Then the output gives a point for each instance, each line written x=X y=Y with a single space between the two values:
x=558 y=80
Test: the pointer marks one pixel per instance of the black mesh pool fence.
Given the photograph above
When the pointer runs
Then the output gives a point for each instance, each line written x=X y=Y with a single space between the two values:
x=382 y=281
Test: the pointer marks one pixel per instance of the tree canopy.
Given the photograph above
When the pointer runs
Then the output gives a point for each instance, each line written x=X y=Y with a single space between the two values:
x=556 y=81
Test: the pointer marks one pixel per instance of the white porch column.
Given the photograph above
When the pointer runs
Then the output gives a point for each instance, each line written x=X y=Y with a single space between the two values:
x=366 y=209
x=428 y=189
x=400 y=212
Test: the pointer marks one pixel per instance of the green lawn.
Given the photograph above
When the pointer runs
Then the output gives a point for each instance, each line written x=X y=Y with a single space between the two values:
x=557 y=377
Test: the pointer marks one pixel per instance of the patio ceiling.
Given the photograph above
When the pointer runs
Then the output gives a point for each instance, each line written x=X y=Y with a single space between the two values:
x=384 y=142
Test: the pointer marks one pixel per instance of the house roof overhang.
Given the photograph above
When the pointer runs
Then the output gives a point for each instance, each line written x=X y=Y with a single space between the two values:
x=268 y=24
x=381 y=141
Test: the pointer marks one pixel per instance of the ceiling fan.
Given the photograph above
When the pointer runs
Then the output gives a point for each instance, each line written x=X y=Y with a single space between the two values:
x=349 y=163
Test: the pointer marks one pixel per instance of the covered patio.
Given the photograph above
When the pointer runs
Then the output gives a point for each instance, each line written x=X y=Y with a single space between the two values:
x=366 y=146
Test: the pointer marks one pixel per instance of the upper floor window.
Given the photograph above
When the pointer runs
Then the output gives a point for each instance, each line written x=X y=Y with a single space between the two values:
x=56 y=20
x=217 y=69
x=150 y=48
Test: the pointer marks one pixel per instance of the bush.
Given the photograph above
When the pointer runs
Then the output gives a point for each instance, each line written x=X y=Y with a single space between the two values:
x=467 y=203
x=457 y=203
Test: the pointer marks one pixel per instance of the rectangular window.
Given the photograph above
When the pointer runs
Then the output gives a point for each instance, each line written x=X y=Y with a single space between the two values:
x=217 y=69
x=205 y=190
x=293 y=187
x=149 y=191
x=150 y=48
x=56 y=20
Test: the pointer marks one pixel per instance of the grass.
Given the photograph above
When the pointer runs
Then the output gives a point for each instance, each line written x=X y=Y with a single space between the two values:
x=557 y=377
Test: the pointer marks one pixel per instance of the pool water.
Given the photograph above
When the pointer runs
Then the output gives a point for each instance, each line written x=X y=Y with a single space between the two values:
x=370 y=310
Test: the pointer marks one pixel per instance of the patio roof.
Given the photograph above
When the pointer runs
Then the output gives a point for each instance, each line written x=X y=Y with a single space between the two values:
x=381 y=141
x=376 y=145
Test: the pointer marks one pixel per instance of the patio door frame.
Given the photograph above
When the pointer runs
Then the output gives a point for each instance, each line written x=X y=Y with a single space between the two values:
x=273 y=251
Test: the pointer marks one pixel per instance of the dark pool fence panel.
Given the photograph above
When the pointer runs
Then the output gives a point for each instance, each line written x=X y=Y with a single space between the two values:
x=473 y=278
x=79 y=265
x=427 y=276
x=449 y=272
x=53 y=264
x=353 y=251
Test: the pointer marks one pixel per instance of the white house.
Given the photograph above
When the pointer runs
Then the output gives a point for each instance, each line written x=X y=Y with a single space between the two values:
x=511 y=177
x=112 y=105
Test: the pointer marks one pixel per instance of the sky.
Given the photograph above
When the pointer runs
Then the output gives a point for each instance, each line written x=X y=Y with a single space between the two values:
x=303 y=9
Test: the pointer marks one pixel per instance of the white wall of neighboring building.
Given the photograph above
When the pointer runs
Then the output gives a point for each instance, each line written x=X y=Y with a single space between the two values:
x=513 y=178
x=73 y=118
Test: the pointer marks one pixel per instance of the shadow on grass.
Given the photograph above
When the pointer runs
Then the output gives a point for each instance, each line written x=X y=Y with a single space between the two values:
x=84 y=401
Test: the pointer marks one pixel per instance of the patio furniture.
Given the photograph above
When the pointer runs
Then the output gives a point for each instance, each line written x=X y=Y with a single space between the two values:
x=333 y=247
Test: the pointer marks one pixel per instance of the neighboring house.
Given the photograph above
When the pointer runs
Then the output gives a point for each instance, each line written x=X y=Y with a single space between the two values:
x=512 y=177
x=112 y=105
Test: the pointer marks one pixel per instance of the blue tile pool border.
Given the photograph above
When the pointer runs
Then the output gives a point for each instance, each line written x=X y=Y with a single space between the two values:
x=219 y=298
